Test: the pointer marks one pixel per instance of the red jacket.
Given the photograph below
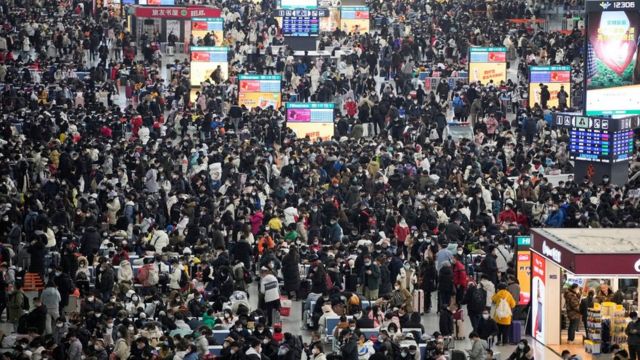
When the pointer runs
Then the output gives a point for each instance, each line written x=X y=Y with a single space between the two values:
x=507 y=216
x=351 y=107
x=401 y=233
x=460 y=275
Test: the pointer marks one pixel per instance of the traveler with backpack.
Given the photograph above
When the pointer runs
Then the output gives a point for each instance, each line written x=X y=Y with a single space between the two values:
x=270 y=293
x=504 y=304
x=475 y=299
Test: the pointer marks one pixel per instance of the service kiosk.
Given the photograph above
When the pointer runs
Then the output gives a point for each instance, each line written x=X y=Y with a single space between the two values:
x=604 y=260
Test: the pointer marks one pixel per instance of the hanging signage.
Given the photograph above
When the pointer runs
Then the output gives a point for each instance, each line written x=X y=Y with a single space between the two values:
x=186 y=13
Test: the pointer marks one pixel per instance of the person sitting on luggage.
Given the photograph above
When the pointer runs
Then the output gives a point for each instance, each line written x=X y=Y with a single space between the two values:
x=523 y=351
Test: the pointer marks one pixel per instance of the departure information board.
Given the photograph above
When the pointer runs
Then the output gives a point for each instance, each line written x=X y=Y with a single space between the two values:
x=588 y=144
x=300 y=26
x=623 y=145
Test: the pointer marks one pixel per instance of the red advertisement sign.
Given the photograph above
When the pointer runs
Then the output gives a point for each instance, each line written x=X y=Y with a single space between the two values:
x=497 y=57
x=561 y=76
x=176 y=12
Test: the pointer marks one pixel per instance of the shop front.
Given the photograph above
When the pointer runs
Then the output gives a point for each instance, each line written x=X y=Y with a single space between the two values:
x=164 y=20
x=605 y=261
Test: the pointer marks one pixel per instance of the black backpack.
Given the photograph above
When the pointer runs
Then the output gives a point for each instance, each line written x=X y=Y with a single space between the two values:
x=184 y=279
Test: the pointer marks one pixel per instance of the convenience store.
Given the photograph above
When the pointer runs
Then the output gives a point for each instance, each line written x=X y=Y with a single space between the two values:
x=604 y=260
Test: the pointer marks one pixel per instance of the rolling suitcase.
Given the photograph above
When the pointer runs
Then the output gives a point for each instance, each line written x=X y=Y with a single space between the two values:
x=418 y=301
x=517 y=329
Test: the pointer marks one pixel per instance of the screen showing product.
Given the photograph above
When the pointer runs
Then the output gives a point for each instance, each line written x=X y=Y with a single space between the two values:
x=259 y=91
x=332 y=22
x=301 y=26
x=298 y=4
x=157 y=2
x=200 y=27
x=355 y=19
x=623 y=145
x=612 y=71
x=589 y=144
x=486 y=64
x=314 y=120
x=205 y=60
x=554 y=78
x=538 y=269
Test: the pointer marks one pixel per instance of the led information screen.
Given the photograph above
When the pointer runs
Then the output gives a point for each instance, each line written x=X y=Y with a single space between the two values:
x=298 y=4
x=314 y=120
x=488 y=63
x=157 y=2
x=553 y=77
x=623 y=145
x=205 y=60
x=355 y=19
x=305 y=23
x=331 y=21
x=598 y=139
x=588 y=144
x=200 y=27
x=259 y=91
x=612 y=71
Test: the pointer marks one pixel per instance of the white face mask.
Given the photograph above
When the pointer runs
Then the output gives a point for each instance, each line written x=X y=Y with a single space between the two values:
x=485 y=316
x=520 y=346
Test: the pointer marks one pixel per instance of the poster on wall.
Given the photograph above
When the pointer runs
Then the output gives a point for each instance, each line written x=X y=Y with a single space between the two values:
x=612 y=69
x=315 y=120
x=538 y=271
x=173 y=26
x=259 y=91
x=554 y=78
x=487 y=64
x=205 y=60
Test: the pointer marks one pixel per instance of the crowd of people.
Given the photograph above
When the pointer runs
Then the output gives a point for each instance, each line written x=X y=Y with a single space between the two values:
x=149 y=214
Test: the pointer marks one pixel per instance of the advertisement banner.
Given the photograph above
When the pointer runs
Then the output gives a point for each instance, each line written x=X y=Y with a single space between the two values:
x=538 y=269
x=524 y=275
x=332 y=22
x=315 y=120
x=554 y=78
x=205 y=60
x=488 y=64
x=612 y=71
x=355 y=19
x=523 y=267
x=200 y=27
x=176 y=12
x=259 y=91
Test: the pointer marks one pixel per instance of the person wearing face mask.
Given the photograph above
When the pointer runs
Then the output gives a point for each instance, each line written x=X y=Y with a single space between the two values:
x=254 y=351
x=487 y=328
x=60 y=330
x=317 y=352
x=370 y=279
x=522 y=352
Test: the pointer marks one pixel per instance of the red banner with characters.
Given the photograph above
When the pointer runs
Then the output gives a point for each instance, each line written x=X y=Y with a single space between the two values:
x=176 y=12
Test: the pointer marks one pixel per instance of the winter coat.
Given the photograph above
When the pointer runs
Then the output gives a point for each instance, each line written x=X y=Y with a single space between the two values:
x=291 y=271
x=572 y=304
x=496 y=299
